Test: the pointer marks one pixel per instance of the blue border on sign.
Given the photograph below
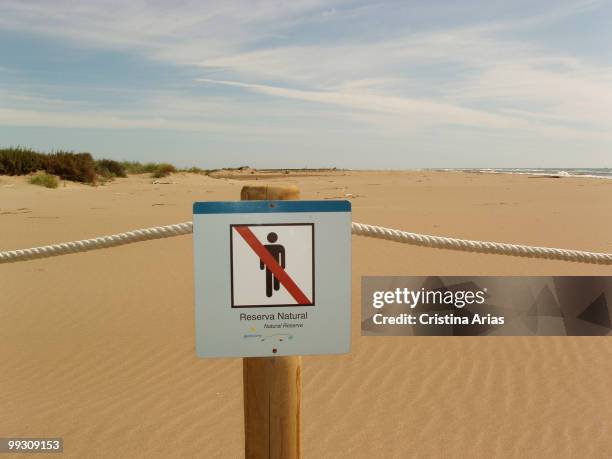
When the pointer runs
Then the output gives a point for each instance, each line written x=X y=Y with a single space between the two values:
x=254 y=207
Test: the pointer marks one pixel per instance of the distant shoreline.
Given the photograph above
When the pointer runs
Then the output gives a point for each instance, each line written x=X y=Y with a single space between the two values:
x=246 y=173
x=597 y=172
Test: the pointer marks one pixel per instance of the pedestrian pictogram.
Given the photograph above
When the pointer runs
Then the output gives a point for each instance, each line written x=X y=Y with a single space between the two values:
x=278 y=253
x=272 y=265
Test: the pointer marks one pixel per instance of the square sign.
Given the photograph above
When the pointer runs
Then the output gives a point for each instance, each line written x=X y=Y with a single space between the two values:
x=272 y=278
x=251 y=289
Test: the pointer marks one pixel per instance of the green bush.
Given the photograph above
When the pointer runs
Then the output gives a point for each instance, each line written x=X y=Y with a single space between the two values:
x=20 y=161
x=163 y=170
x=78 y=167
x=131 y=167
x=150 y=168
x=134 y=167
x=108 y=168
x=195 y=170
x=44 y=179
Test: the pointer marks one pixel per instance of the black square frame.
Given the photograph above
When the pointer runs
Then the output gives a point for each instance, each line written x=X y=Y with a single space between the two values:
x=231 y=228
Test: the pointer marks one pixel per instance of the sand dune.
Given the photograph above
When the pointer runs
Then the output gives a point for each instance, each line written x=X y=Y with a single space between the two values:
x=99 y=347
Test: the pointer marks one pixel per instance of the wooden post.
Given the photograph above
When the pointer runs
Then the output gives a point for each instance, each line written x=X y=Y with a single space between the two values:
x=272 y=385
x=269 y=192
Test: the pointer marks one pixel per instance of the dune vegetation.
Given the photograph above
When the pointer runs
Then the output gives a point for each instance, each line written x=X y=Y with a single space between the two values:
x=78 y=167
x=44 y=179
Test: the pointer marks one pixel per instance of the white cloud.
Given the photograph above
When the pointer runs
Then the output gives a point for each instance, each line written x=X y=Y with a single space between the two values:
x=180 y=30
x=480 y=76
x=109 y=120
x=425 y=110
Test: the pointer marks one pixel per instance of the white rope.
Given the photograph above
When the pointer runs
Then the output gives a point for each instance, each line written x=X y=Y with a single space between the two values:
x=102 y=242
x=466 y=245
x=359 y=229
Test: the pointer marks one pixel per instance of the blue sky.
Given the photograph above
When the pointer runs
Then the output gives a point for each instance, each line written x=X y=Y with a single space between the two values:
x=309 y=83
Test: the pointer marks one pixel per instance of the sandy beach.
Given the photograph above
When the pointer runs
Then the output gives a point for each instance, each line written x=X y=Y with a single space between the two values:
x=98 y=348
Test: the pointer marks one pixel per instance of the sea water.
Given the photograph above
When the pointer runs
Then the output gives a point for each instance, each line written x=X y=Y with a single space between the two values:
x=598 y=172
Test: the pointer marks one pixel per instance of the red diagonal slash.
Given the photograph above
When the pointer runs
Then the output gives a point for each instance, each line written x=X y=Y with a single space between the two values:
x=272 y=265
